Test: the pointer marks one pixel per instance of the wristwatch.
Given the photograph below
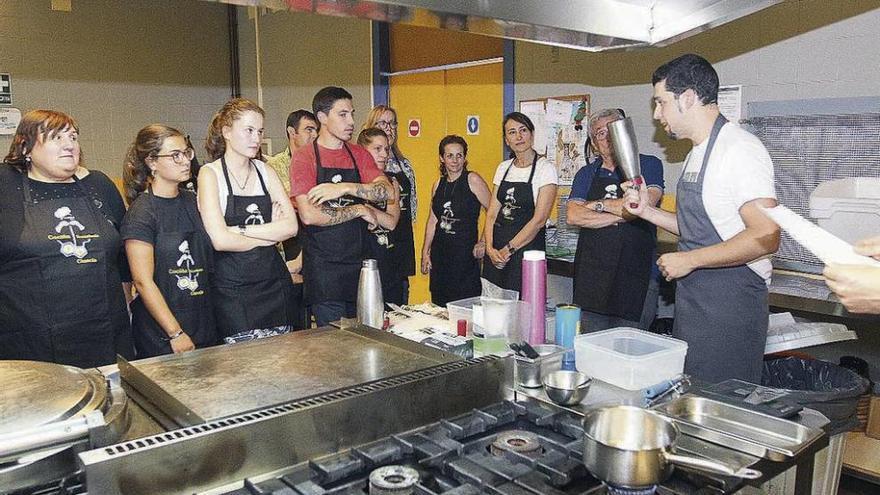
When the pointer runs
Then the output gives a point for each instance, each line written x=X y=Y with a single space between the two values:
x=599 y=207
x=242 y=229
x=510 y=248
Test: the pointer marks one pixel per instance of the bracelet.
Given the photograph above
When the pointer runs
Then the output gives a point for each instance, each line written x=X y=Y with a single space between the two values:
x=178 y=334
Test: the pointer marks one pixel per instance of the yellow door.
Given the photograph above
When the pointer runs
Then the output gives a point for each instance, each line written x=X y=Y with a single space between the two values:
x=442 y=101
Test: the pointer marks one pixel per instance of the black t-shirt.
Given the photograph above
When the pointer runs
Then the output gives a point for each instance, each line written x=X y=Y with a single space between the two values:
x=147 y=213
x=97 y=186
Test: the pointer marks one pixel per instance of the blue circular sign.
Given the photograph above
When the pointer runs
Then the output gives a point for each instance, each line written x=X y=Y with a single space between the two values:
x=473 y=124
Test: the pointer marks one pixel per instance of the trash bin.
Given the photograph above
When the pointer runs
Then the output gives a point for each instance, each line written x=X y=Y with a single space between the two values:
x=826 y=387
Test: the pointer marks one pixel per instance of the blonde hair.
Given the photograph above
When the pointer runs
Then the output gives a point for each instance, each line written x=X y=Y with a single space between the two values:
x=373 y=117
x=215 y=144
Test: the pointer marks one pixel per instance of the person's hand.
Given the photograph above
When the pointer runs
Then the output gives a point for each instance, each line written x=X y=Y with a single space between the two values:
x=326 y=192
x=368 y=215
x=479 y=250
x=499 y=257
x=635 y=201
x=295 y=265
x=857 y=286
x=426 y=263
x=869 y=247
x=675 y=265
x=182 y=344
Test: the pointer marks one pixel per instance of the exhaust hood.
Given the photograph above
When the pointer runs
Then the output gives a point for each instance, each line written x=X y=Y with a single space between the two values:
x=591 y=25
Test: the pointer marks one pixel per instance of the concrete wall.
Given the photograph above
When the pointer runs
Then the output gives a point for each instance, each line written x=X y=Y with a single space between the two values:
x=300 y=54
x=799 y=49
x=116 y=66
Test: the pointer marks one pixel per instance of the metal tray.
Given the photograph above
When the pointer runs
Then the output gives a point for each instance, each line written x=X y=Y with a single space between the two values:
x=739 y=428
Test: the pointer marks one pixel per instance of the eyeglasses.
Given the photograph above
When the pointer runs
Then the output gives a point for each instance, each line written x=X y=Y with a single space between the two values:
x=180 y=156
x=386 y=124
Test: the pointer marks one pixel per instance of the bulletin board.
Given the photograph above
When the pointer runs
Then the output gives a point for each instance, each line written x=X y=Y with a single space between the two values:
x=561 y=130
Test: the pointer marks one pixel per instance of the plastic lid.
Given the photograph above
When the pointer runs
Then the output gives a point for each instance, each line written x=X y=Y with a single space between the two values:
x=534 y=255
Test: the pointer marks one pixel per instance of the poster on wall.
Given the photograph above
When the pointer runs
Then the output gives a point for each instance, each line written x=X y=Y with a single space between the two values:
x=5 y=89
x=534 y=110
x=9 y=119
x=567 y=137
x=730 y=102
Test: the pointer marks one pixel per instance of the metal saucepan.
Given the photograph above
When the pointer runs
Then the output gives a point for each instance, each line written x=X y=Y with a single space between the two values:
x=630 y=447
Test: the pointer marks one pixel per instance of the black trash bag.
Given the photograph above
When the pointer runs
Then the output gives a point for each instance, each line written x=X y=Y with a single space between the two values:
x=826 y=387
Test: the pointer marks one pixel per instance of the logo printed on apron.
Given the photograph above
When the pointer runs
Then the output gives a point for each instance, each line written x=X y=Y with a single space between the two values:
x=610 y=191
x=66 y=235
x=509 y=204
x=187 y=273
x=255 y=216
x=447 y=220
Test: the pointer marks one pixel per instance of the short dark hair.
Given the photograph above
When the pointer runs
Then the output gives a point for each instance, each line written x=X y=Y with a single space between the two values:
x=518 y=117
x=326 y=97
x=296 y=116
x=689 y=71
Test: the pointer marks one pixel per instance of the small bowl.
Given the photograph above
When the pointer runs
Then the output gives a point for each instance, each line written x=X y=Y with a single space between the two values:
x=567 y=388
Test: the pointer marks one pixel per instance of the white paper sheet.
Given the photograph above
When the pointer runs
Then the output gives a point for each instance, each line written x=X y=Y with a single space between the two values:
x=558 y=111
x=535 y=111
x=730 y=103
x=820 y=242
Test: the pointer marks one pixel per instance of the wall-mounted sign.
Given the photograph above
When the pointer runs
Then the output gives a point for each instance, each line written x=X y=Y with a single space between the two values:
x=414 y=128
x=5 y=89
x=473 y=125
x=9 y=119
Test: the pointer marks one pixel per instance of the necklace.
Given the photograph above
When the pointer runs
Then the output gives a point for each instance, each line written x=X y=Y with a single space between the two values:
x=241 y=187
x=446 y=187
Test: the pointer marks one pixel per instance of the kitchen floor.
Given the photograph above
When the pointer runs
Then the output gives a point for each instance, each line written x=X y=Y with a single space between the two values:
x=854 y=486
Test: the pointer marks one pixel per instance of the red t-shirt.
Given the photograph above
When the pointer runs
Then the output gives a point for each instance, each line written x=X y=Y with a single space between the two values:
x=304 y=171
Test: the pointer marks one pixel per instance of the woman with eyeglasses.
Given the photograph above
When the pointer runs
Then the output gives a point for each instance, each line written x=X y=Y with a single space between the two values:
x=397 y=166
x=525 y=190
x=452 y=252
x=246 y=212
x=168 y=249
x=62 y=268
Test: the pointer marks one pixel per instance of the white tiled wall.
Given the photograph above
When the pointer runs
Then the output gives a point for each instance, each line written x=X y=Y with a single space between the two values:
x=799 y=49
x=116 y=66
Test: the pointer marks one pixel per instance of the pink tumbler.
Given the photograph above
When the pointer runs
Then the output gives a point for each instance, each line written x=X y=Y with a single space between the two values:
x=534 y=292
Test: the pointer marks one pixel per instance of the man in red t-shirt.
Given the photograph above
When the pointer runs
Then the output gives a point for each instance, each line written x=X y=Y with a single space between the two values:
x=329 y=182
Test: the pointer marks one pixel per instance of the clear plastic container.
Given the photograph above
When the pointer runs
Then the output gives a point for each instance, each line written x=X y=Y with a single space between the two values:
x=629 y=358
x=848 y=208
x=463 y=309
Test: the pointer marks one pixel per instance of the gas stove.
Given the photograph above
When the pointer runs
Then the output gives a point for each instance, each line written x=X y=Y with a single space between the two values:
x=515 y=448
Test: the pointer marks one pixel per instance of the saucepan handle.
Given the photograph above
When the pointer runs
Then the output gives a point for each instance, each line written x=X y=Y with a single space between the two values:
x=713 y=466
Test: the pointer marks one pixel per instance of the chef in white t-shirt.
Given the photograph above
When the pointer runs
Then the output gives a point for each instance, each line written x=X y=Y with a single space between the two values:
x=525 y=190
x=721 y=268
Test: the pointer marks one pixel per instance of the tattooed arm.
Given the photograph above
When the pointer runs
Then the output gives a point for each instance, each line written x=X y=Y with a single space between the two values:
x=376 y=191
x=324 y=215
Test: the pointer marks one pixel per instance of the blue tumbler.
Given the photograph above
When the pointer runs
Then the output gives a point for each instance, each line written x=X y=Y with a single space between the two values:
x=568 y=324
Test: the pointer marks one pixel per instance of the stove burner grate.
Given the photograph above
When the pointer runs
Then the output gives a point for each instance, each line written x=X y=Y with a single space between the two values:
x=520 y=441
x=393 y=480
x=616 y=490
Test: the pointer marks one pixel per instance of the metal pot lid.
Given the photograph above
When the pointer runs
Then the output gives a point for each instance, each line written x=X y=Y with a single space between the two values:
x=34 y=393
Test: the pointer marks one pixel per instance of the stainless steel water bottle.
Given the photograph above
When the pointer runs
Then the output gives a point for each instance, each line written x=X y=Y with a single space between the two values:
x=370 y=307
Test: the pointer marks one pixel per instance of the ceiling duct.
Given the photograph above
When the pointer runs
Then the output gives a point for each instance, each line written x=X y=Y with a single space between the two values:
x=591 y=25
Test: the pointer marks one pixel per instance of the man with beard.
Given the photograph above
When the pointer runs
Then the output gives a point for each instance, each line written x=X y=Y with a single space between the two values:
x=721 y=268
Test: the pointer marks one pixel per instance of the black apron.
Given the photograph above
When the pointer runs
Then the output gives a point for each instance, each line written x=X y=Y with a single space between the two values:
x=455 y=273
x=722 y=313
x=382 y=247
x=517 y=208
x=62 y=294
x=251 y=289
x=182 y=256
x=403 y=233
x=612 y=264
x=332 y=254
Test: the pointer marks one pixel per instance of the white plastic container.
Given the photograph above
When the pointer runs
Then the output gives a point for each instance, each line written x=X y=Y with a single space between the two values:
x=629 y=358
x=848 y=208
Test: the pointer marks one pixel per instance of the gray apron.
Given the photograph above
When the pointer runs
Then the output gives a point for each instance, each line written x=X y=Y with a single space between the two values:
x=720 y=312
